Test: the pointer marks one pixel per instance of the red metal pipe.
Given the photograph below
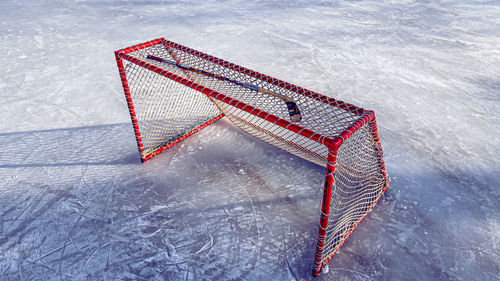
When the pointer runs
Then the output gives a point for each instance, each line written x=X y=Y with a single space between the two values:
x=185 y=136
x=349 y=131
x=325 y=210
x=130 y=104
x=141 y=46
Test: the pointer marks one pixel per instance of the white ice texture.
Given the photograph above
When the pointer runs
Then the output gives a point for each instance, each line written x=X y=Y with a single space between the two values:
x=76 y=204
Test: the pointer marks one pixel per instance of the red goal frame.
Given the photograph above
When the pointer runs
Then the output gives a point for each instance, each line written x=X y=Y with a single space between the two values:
x=365 y=117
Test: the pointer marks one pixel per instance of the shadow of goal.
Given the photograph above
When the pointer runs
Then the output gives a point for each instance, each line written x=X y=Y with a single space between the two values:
x=173 y=91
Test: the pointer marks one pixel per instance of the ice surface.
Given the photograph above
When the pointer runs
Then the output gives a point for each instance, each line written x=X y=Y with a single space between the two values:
x=75 y=203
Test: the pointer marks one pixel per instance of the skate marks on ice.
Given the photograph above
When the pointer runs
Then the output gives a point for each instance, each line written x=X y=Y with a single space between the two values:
x=42 y=171
x=78 y=204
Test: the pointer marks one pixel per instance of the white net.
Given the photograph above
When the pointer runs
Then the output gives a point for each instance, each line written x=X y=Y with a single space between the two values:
x=161 y=107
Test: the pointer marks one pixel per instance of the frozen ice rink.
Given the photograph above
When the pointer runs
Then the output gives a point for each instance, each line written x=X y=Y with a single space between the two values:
x=77 y=204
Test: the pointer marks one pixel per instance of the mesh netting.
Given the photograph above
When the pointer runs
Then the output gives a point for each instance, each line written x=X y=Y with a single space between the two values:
x=359 y=182
x=160 y=106
x=168 y=110
x=317 y=116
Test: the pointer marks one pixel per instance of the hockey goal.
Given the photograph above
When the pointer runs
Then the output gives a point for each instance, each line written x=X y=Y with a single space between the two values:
x=174 y=91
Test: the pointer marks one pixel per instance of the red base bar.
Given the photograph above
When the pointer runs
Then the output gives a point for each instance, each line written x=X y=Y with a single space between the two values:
x=170 y=144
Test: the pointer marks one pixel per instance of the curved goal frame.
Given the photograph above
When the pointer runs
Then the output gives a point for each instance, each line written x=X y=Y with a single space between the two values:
x=168 y=103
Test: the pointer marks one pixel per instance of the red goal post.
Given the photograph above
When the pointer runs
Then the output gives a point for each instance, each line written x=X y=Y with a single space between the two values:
x=173 y=91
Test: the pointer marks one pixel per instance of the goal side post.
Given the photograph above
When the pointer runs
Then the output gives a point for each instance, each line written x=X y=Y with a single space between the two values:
x=325 y=210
